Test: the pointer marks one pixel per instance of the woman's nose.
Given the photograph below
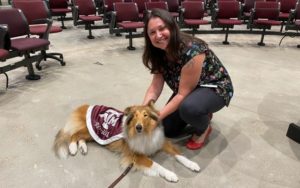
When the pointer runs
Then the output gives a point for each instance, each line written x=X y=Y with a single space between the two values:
x=158 y=34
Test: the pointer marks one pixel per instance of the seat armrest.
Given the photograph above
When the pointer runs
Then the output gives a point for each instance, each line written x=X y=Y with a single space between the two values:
x=181 y=17
x=251 y=19
x=4 y=37
x=112 y=23
x=75 y=11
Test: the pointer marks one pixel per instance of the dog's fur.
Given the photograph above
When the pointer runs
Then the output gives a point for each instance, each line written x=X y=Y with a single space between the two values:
x=143 y=136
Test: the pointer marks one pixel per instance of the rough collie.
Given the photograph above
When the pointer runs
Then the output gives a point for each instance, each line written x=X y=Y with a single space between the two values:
x=135 y=133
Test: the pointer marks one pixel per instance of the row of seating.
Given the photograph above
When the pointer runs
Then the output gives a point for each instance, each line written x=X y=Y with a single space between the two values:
x=225 y=15
x=124 y=18
x=18 y=30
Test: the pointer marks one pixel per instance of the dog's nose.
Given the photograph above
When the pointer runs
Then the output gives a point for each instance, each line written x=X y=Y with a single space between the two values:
x=139 y=128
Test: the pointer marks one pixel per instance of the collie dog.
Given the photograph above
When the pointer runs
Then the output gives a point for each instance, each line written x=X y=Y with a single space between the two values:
x=139 y=136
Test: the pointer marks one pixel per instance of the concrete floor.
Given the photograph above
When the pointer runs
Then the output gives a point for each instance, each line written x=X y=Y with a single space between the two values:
x=247 y=148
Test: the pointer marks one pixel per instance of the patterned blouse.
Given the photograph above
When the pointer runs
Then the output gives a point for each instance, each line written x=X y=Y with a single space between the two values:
x=213 y=75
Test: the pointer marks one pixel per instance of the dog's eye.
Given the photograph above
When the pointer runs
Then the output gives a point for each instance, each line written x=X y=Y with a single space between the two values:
x=145 y=115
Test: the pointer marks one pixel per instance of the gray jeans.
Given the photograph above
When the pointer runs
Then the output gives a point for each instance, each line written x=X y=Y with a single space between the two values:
x=193 y=111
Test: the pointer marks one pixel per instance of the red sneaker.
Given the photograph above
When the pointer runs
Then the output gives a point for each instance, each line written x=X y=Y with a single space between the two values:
x=192 y=145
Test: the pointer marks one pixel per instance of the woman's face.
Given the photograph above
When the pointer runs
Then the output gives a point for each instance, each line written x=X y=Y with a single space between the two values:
x=158 y=33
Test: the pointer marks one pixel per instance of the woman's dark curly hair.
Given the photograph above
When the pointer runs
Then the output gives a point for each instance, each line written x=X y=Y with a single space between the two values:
x=153 y=57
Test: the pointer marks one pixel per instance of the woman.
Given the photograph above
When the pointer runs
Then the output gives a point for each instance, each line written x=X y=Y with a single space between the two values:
x=199 y=81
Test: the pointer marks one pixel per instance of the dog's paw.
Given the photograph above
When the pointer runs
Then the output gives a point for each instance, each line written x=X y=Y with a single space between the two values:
x=188 y=163
x=73 y=148
x=82 y=147
x=170 y=176
x=157 y=170
x=151 y=172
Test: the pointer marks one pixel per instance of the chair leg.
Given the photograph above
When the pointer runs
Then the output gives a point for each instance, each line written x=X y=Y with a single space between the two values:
x=31 y=75
x=52 y=55
x=261 y=43
x=90 y=36
x=6 y=79
x=62 y=22
x=130 y=47
x=225 y=42
x=282 y=24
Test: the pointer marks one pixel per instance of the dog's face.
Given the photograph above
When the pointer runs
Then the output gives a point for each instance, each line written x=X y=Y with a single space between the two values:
x=141 y=119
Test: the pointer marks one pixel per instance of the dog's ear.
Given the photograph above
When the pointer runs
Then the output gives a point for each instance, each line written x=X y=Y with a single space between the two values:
x=128 y=113
x=127 y=110
x=151 y=104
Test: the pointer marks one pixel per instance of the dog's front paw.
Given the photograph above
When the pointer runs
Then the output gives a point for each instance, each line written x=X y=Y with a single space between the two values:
x=188 y=163
x=73 y=148
x=157 y=170
x=170 y=176
x=82 y=147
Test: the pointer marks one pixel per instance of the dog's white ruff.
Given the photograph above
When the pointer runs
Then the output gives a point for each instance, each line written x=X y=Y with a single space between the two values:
x=158 y=170
x=147 y=144
x=187 y=163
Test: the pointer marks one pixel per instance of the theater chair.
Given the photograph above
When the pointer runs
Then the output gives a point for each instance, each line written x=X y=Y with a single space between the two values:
x=21 y=44
x=141 y=7
x=173 y=7
x=156 y=4
x=84 y=12
x=59 y=8
x=285 y=7
x=191 y=15
x=293 y=22
x=108 y=7
x=125 y=18
x=264 y=16
x=40 y=23
x=247 y=6
x=226 y=15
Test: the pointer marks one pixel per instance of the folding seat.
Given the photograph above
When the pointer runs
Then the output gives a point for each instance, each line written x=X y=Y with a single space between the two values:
x=59 y=8
x=192 y=14
x=21 y=44
x=173 y=7
x=40 y=23
x=84 y=12
x=285 y=7
x=264 y=16
x=293 y=22
x=247 y=6
x=226 y=15
x=125 y=18
x=156 y=4
x=141 y=7
x=108 y=7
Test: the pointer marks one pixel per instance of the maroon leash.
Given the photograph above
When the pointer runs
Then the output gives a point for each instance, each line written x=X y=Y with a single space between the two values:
x=121 y=176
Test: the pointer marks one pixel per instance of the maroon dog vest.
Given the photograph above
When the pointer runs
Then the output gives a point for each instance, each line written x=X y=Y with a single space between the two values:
x=104 y=124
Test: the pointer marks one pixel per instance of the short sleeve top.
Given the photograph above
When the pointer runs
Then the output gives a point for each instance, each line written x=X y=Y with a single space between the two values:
x=213 y=72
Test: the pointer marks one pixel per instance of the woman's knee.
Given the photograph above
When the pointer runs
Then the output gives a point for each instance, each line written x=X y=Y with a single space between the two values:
x=188 y=110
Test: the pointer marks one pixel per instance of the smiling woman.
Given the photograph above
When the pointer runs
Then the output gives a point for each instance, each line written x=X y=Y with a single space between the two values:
x=200 y=83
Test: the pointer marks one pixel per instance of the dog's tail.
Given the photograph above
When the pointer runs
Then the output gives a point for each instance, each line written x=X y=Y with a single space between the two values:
x=61 y=144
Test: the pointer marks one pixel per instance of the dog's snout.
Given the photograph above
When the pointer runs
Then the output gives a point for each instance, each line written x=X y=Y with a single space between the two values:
x=139 y=128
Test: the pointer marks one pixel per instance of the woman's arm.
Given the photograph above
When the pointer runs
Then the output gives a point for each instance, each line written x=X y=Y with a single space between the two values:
x=155 y=88
x=189 y=78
